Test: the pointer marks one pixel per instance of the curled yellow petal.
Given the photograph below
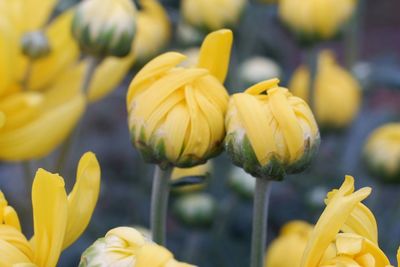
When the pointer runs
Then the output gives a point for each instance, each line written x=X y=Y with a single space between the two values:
x=83 y=197
x=215 y=53
x=152 y=255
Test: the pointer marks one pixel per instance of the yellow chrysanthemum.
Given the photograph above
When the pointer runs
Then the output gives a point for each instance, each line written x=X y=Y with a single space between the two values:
x=58 y=219
x=337 y=94
x=176 y=114
x=42 y=98
x=212 y=14
x=346 y=232
x=270 y=132
x=320 y=19
x=382 y=152
x=125 y=246
x=288 y=248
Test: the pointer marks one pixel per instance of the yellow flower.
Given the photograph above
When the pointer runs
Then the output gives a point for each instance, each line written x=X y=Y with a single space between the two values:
x=127 y=247
x=346 y=232
x=382 y=152
x=288 y=248
x=176 y=114
x=337 y=95
x=316 y=19
x=212 y=14
x=105 y=28
x=270 y=132
x=58 y=219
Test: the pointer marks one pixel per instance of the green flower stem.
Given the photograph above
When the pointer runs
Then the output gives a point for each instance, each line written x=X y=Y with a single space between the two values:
x=260 y=213
x=66 y=147
x=352 y=37
x=159 y=204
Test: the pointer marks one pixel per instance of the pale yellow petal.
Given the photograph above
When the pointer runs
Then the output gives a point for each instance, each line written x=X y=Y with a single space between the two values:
x=10 y=255
x=15 y=238
x=152 y=255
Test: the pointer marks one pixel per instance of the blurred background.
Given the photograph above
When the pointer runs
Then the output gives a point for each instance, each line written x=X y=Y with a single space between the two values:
x=368 y=46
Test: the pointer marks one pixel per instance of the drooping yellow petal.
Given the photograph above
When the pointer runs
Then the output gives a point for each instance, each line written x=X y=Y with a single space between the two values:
x=39 y=137
x=215 y=53
x=83 y=197
x=331 y=220
x=50 y=208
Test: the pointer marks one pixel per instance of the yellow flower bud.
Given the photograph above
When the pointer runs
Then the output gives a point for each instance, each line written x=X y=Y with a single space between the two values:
x=382 y=152
x=270 y=132
x=176 y=114
x=212 y=15
x=35 y=45
x=105 y=27
x=288 y=248
x=316 y=19
x=337 y=94
x=127 y=247
x=196 y=210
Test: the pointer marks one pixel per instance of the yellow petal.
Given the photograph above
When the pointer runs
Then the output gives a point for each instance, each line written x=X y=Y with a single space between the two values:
x=256 y=125
x=35 y=13
x=7 y=54
x=331 y=220
x=152 y=255
x=154 y=68
x=215 y=53
x=262 y=86
x=10 y=218
x=28 y=142
x=10 y=254
x=83 y=198
x=50 y=211
x=15 y=238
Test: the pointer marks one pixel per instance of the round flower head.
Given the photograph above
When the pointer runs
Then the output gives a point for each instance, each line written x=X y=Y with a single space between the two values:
x=127 y=247
x=270 y=132
x=316 y=19
x=382 y=152
x=176 y=114
x=337 y=94
x=105 y=27
x=212 y=15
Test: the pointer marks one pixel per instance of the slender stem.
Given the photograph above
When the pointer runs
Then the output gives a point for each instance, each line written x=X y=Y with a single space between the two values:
x=260 y=213
x=26 y=166
x=66 y=147
x=352 y=37
x=159 y=204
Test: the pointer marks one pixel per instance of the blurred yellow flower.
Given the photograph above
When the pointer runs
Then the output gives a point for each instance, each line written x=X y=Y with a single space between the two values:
x=176 y=114
x=105 y=28
x=316 y=19
x=125 y=246
x=337 y=94
x=186 y=180
x=270 y=132
x=382 y=152
x=346 y=232
x=58 y=219
x=288 y=248
x=212 y=15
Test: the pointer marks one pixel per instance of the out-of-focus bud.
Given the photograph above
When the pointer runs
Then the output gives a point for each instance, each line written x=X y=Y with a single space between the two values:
x=127 y=247
x=288 y=248
x=196 y=210
x=176 y=115
x=192 y=57
x=257 y=69
x=35 y=45
x=337 y=95
x=270 y=132
x=185 y=180
x=382 y=153
x=188 y=35
x=242 y=183
x=316 y=19
x=212 y=15
x=105 y=28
